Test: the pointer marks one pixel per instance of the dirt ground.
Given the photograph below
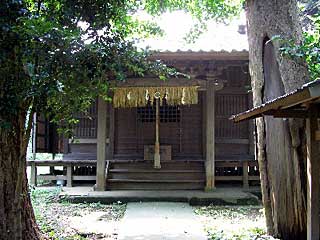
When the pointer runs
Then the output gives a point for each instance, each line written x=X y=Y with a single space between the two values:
x=233 y=222
x=60 y=219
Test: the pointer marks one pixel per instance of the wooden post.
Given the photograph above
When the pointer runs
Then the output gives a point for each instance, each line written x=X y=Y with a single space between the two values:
x=65 y=145
x=313 y=165
x=101 y=145
x=51 y=170
x=210 y=138
x=34 y=136
x=69 y=176
x=204 y=124
x=245 y=175
x=157 y=144
x=111 y=133
x=33 y=179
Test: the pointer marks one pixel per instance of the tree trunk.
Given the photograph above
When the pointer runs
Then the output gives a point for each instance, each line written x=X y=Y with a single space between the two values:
x=281 y=142
x=17 y=219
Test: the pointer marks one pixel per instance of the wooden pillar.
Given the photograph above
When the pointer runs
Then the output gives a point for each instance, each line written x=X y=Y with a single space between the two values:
x=110 y=150
x=204 y=124
x=245 y=175
x=69 y=176
x=34 y=136
x=210 y=138
x=65 y=141
x=51 y=170
x=33 y=177
x=101 y=145
x=313 y=165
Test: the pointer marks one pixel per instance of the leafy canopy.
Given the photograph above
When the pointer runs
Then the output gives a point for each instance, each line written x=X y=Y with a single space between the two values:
x=58 y=56
x=309 y=50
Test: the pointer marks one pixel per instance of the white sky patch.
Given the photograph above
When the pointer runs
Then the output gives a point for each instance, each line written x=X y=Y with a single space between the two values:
x=177 y=24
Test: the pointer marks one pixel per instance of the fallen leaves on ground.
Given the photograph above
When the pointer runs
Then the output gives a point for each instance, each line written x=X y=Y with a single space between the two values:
x=60 y=219
x=233 y=222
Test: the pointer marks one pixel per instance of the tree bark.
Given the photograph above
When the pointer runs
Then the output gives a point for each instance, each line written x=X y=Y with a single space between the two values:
x=281 y=143
x=17 y=220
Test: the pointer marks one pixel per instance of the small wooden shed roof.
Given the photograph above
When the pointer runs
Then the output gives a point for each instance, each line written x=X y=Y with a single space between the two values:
x=292 y=105
x=301 y=103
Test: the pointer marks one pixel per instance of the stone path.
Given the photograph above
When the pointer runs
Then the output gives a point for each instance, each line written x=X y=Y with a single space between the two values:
x=160 y=221
x=220 y=196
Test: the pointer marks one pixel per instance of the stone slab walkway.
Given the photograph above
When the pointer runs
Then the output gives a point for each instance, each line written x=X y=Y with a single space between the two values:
x=160 y=221
x=220 y=196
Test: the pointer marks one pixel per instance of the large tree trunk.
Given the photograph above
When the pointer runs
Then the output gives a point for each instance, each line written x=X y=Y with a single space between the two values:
x=281 y=142
x=17 y=219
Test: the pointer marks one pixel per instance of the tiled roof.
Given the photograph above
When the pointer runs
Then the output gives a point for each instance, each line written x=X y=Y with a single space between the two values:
x=202 y=55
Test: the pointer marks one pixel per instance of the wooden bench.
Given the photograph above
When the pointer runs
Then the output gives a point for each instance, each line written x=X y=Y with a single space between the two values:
x=242 y=161
x=69 y=164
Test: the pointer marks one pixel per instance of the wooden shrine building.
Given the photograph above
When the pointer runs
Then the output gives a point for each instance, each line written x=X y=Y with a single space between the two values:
x=173 y=134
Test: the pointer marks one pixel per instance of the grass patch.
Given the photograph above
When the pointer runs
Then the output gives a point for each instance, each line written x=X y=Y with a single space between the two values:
x=233 y=222
x=53 y=214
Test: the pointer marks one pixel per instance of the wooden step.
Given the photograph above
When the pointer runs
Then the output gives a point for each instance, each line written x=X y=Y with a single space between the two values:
x=154 y=171
x=141 y=175
x=154 y=181
x=139 y=184
x=155 y=174
x=168 y=165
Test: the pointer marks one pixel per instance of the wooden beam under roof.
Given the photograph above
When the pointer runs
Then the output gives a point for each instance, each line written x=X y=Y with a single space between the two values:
x=287 y=113
x=152 y=82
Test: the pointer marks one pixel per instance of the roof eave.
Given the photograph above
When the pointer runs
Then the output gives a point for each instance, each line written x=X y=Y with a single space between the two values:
x=202 y=55
x=303 y=95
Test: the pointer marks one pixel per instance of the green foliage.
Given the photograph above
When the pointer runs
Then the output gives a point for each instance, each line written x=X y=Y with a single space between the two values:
x=57 y=57
x=202 y=11
x=219 y=10
x=308 y=51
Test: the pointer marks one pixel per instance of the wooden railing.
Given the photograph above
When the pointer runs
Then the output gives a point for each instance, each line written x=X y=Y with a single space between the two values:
x=70 y=175
x=237 y=168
